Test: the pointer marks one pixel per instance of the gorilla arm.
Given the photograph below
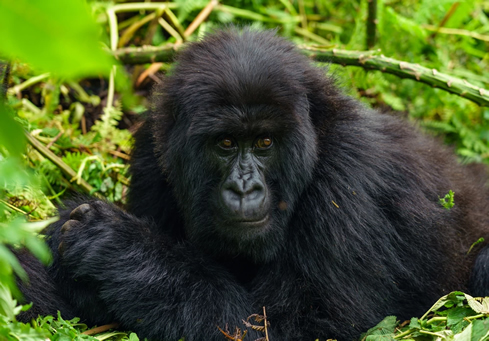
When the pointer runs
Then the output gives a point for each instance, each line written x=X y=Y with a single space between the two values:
x=154 y=287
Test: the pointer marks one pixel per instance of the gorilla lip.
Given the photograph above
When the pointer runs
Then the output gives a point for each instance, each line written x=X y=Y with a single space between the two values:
x=252 y=223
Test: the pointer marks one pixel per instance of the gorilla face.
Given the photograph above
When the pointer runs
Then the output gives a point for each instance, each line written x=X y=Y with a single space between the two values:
x=234 y=136
x=236 y=189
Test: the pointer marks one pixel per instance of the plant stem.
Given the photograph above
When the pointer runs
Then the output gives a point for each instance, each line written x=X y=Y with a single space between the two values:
x=371 y=24
x=201 y=17
x=447 y=16
x=407 y=332
x=456 y=31
x=65 y=169
x=5 y=81
x=131 y=7
x=369 y=60
x=31 y=81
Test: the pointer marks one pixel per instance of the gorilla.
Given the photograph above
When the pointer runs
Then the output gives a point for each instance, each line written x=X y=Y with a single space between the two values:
x=257 y=183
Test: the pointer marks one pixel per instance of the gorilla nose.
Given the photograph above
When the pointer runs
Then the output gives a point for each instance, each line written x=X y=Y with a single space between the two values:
x=245 y=199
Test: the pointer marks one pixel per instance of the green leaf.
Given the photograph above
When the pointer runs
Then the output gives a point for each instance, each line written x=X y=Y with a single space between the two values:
x=11 y=134
x=8 y=256
x=478 y=241
x=383 y=331
x=480 y=305
x=452 y=299
x=7 y=303
x=480 y=330
x=56 y=35
x=133 y=337
x=448 y=200
x=455 y=318
x=414 y=324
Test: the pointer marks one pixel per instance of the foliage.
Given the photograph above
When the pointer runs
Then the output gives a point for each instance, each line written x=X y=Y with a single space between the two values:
x=456 y=316
x=62 y=100
x=48 y=328
x=448 y=200
x=40 y=39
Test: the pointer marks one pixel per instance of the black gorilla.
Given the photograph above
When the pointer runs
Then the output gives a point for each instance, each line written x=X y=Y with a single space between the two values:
x=256 y=182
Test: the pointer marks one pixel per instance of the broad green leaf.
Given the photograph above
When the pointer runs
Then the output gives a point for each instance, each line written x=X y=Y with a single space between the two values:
x=480 y=330
x=11 y=134
x=480 y=305
x=7 y=303
x=452 y=299
x=414 y=323
x=456 y=318
x=383 y=331
x=7 y=256
x=56 y=35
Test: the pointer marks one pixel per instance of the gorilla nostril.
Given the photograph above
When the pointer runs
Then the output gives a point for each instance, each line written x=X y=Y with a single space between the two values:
x=234 y=188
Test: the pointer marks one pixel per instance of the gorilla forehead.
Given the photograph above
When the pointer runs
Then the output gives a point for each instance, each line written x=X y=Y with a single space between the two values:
x=235 y=68
x=244 y=121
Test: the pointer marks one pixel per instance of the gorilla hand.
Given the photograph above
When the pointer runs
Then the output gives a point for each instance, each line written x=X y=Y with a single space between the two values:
x=148 y=282
x=93 y=234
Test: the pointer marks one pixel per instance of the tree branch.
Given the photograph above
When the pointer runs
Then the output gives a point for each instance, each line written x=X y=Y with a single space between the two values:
x=145 y=54
x=369 y=60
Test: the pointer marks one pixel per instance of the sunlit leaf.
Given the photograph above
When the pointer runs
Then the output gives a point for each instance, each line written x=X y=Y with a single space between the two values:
x=11 y=134
x=55 y=35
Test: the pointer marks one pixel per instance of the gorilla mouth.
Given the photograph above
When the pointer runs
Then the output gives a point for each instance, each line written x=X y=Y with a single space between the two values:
x=252 y=222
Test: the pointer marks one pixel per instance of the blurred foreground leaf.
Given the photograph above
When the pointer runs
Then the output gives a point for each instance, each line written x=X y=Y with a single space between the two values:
x=11 y=135
x=54 y=35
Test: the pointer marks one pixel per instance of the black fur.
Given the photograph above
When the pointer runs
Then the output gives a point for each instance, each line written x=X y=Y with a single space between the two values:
x=356 y=231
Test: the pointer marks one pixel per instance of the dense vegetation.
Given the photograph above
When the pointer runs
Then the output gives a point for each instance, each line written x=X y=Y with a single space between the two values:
x=67 y=115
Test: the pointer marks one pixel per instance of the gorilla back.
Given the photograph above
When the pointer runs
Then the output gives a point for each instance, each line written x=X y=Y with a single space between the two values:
x=256 y=182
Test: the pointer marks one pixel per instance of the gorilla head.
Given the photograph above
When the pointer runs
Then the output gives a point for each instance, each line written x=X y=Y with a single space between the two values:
x=236 y=125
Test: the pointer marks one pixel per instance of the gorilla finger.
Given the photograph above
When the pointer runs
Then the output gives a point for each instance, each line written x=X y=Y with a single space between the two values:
x=79 y=212
x=61 y=248
x=69 y=225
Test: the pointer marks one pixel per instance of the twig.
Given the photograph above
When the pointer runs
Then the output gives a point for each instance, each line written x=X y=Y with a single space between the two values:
x=131 y=30
x=302 y=11
x=243 y=13
x=65 y=169
x=371 y=24
x=50 y=144
x=84 y=125
x=12 y=207
x=456 y=31
x=265 y=323
x=101 y=329
x=151 y=70
x=173 y=32
x=172 y=18
x=5 y=81
x=201 y=17
x=145 y=54
x=370 y=60
x=119 y=154
x=447 y=16
x=314 y=37
x=138 y=6
x=31 y=81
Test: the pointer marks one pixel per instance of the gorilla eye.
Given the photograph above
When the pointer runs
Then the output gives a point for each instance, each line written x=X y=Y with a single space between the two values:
x=264 y=142
x=226 y=143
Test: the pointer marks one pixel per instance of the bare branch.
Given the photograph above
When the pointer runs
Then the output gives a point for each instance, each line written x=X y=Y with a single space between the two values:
x=369 y=60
